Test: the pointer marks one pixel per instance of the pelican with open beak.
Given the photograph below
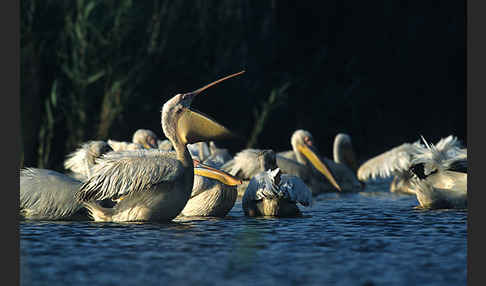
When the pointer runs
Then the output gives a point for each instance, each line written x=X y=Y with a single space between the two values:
x=213 y=193
x=155 y=185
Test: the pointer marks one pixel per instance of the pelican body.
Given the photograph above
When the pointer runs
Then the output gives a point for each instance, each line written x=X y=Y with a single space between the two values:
x=49 y=195
x=213 y=193
x=439 y=176
x=271 y=193
x=398 y=161
x=152 y=185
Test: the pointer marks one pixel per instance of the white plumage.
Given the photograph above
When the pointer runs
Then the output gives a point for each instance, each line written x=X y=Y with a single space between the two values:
x=290 y=188
x=440 y=174
x=83 y=159
x=271 y=193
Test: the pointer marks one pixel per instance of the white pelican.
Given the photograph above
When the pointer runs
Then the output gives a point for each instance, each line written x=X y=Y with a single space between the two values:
x=49 y=195
x=142 y=138
x=145 y=137
x=271 y=193
x=151 y=184
x=397 y=161
x=218 y=156
x=344 y=166
x=123 y=146
x=82 y=160
x=303 y=162
x=213 y=194
x=164 y=145
x=209 y=154
x=440 y=176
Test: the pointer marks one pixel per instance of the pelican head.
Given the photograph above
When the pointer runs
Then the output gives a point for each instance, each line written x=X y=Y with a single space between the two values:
x=305 y=150
x=145 y=137
x=343 y=151
x=191 y=126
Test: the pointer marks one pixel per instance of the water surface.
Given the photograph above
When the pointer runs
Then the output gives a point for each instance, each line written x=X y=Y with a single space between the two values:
x=371 y=238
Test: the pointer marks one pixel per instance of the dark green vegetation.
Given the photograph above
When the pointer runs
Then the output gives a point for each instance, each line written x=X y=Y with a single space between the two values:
x=382 y=71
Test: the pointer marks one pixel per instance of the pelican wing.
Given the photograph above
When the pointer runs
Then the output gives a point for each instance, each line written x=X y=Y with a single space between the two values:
x=386 y=164
x=290 y=187
x=296 y=190
x=444 y=155
x=261 y=186
x=47 y=194
x=122 y=173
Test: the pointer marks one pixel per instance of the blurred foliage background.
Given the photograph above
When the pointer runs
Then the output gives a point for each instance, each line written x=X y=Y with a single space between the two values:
x=383 y=71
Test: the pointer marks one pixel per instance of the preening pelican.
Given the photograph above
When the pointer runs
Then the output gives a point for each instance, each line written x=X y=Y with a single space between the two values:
x=213 y=193
x=151 y=184
x=271 y=193
x=83 y=159
x=397 y=162
x=440 y=176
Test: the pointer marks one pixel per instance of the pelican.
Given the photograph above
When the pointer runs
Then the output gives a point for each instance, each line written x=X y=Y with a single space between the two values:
x=344 y=164
x=142 y=138
x=303 y=161
x=151 y=184
x=218 y=156
x=339 y=176
x=209 y=154
x=145 y=137
x=213 y=193
x=164 y=145
x=439 y=176
x=397 y=161
x=122 y=146
x=49 y=195
x=82 y=160
x=271 y=193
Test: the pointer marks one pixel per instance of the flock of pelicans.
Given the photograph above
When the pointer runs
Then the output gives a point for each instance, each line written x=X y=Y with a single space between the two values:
x=188 y=175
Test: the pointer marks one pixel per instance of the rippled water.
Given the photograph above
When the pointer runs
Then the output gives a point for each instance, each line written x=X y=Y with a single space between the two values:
x=371 y=238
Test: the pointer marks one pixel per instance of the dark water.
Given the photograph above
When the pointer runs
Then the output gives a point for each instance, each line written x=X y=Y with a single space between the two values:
x=371 y=238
